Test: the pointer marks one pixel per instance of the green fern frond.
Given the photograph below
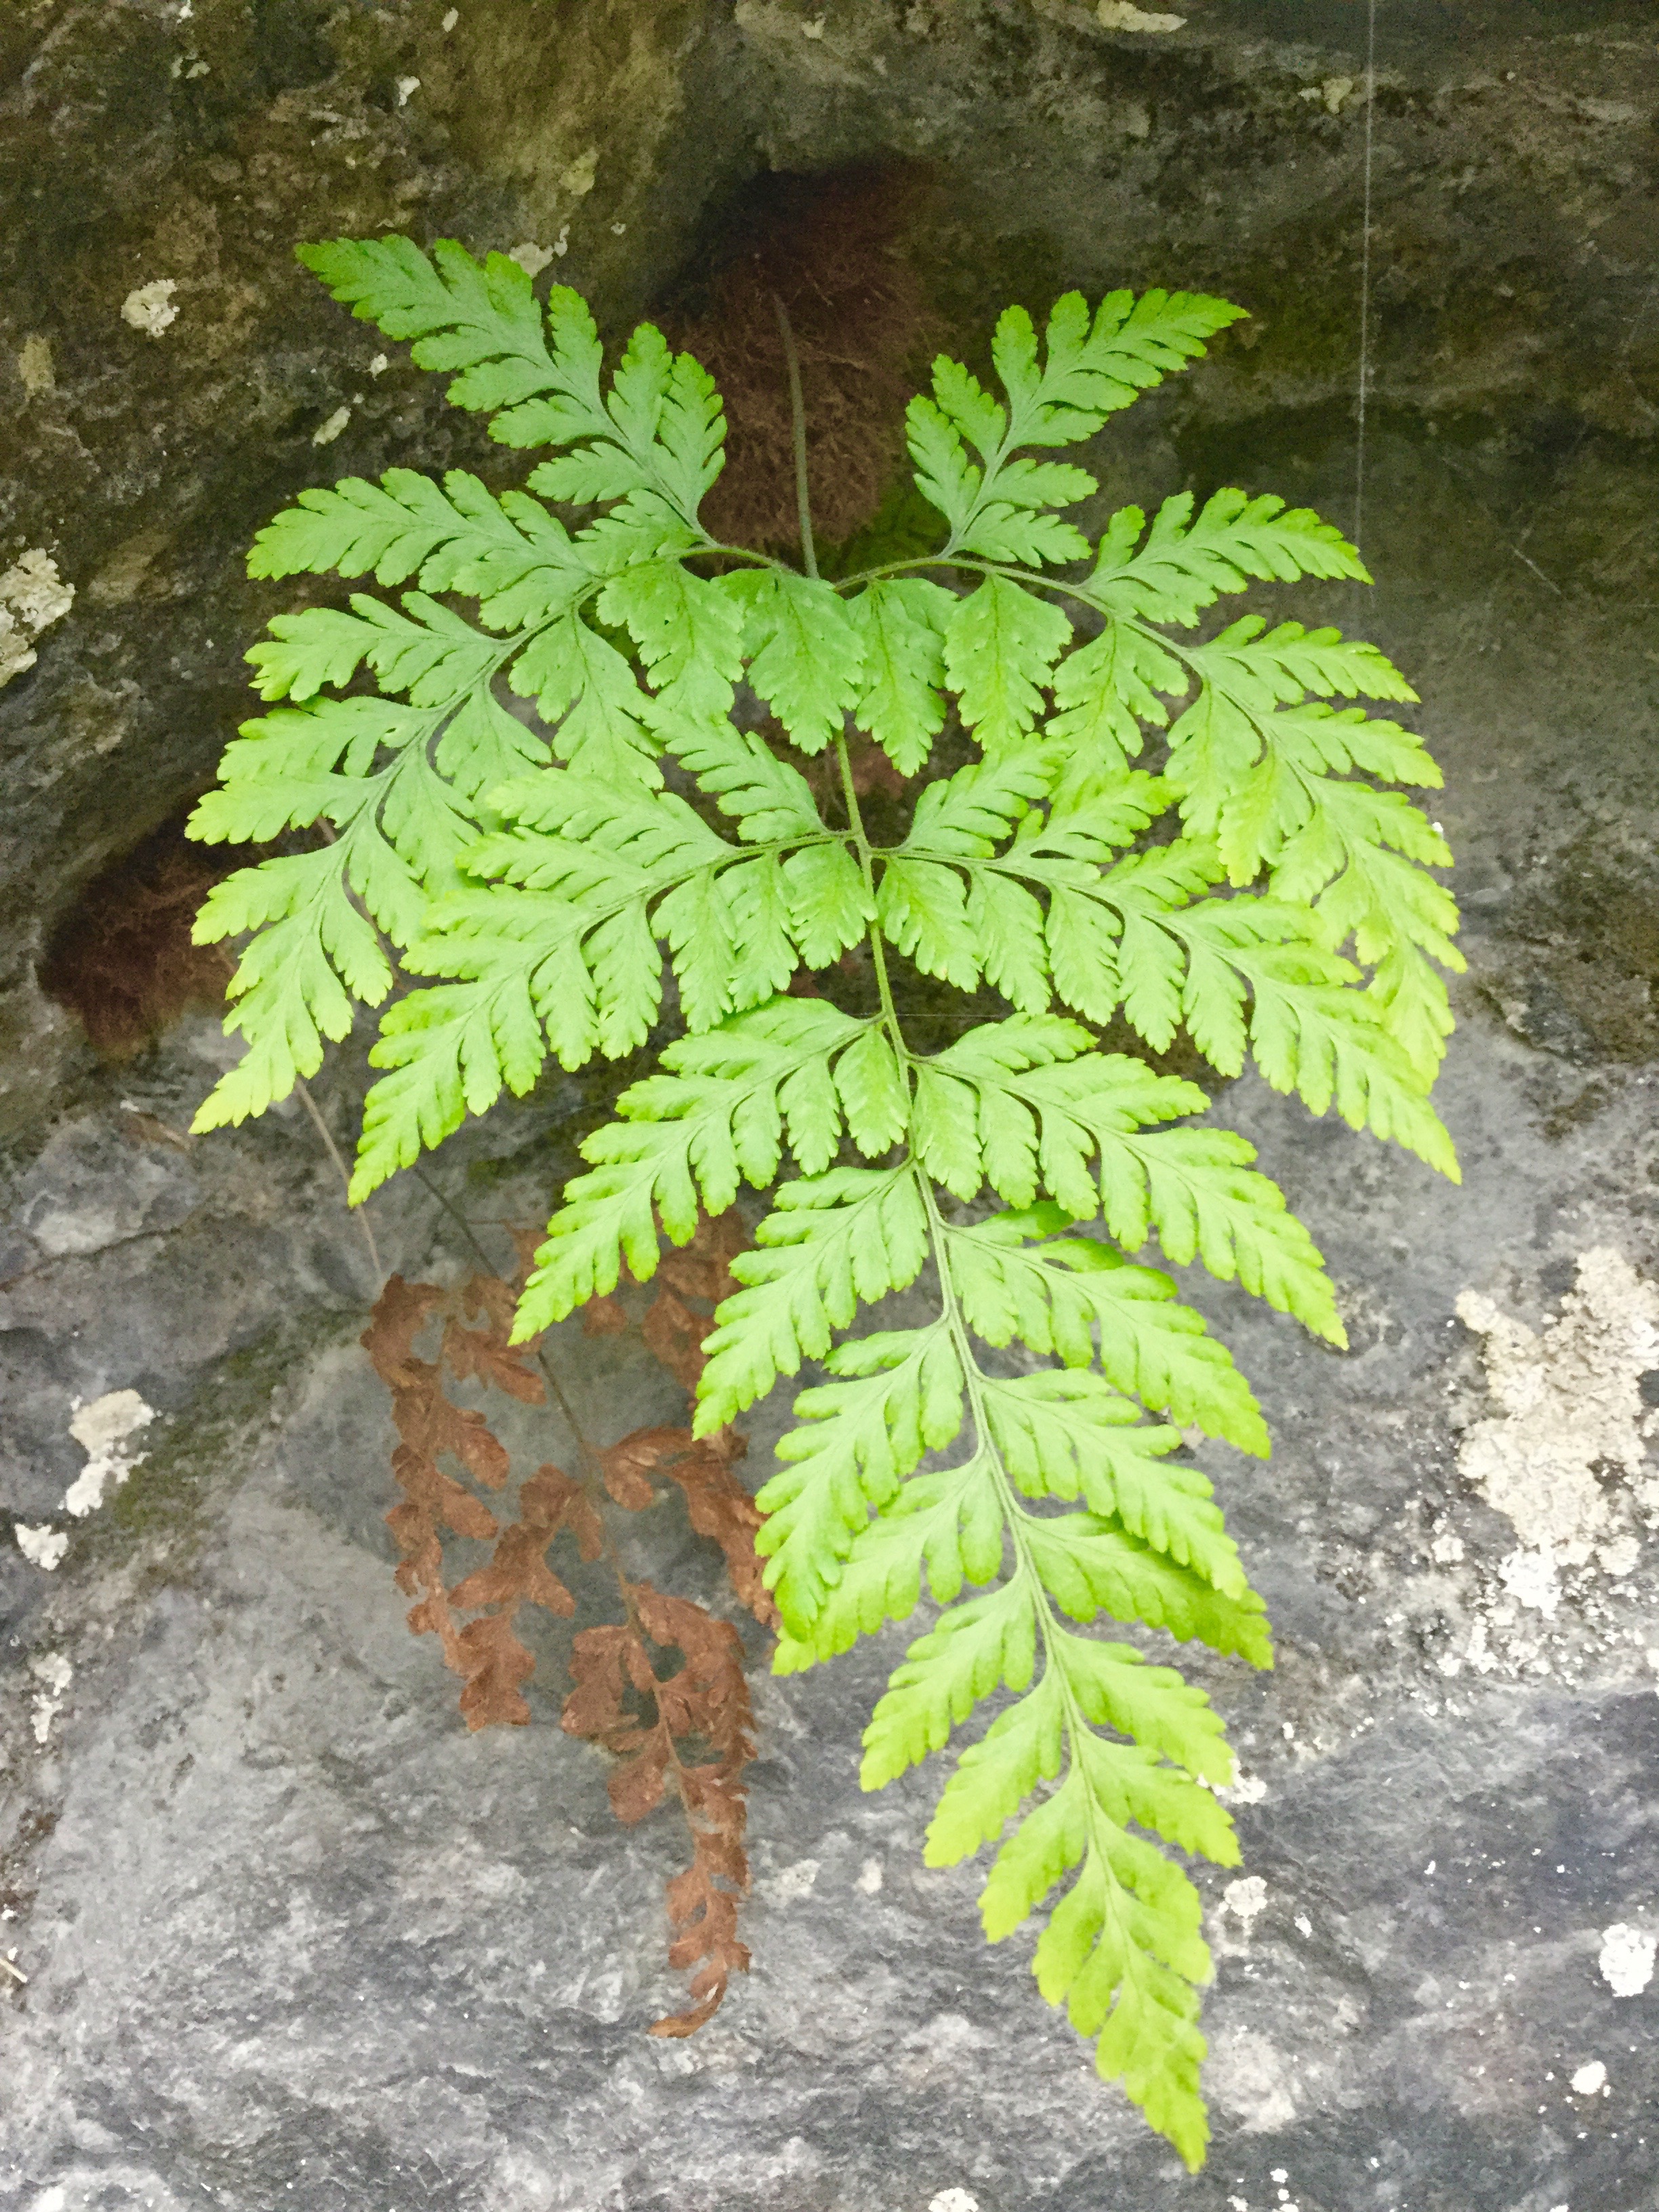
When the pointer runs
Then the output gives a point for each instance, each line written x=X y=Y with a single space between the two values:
x=1174 y=829
x=481 y=320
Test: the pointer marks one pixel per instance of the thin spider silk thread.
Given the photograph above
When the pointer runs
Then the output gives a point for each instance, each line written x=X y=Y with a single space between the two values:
x=1364 y=283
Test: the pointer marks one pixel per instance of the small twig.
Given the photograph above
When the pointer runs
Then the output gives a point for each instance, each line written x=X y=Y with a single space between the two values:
x=310 y=1104
x=798 y=416
x=17 y=1972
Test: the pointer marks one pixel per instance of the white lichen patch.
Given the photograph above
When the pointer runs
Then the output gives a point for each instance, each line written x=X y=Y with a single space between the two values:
x=869 y=1881
x=54 y=1674
x=1243 y=1790
x=35 y=367
x=326 y=433
x=1627 y=1959
x=577 y=179
x=32 y=596
x=1245 y=1899
x=1124 y=15
x=1591 y=2080
x=1251 y=2078
x=41 y=1545
x=105 y=1430
x=149 y=307
x=1334 y=93
x=530 y=257
x=1531 y=1580
x=793 y=1882
x=953 y=2200
x=405 y=87
x=1570 y=1410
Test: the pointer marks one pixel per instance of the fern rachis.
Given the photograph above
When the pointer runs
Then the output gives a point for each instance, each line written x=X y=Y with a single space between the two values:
x=1175 y=830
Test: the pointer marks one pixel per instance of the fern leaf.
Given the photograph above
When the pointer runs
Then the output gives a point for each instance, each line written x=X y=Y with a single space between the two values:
x=1052 y=1297
x=830 y=908
x=950 y=1522
x=1105 y=690
x=1008 y=922
x=563 y=942
x=1262 y=666
x=768 y=798
x=1065 y=1432
x=1411 y=998
x=873 y=1093
x=1156 y=1707
x=451 y=1050
x=714 y=1118
x=1309 y=1032
x=1253 y=762
x=1103 y=1953
x=970 y=409
x=987 y=1643
x=1000 y=645
x=758 y=896
x=586 y=693
x=394 y=527
x=581 y=835
x=966 y=816
x=1010 y=523
x=1025 y=1744
x=1195 y=1187
x=943 y=1132
x=1184 y=564
x=1332 y=1050
x=314 y=954
x=945 y=476
x=479 y=318
x=688 y=633
x=895 y=1396
x=510 y=554
x=922 y=909
x=806 y=653
x=1091 y=1566
x=690 y=435
x=430 y=651
x=314 y=950
x=1095 y=366
x=697 y=922
x=481 y=746
x=901 y=622
x=834 y=1242
x=1358 y=857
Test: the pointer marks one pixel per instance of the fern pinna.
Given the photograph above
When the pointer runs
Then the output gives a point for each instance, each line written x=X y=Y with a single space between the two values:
x=1154 y=822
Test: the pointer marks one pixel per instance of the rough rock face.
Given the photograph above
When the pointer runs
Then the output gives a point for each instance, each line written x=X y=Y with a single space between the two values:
x=291 y=1934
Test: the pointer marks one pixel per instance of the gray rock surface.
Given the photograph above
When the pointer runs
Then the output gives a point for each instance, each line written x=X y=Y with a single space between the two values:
x=291 y=1933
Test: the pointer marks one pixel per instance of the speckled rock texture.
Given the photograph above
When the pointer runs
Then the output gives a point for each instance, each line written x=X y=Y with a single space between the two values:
x=291 y=1934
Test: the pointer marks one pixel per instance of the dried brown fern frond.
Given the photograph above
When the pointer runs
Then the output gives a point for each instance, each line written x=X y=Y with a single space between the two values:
x=621 y=1703
x=492 y=1659
x=618 y=1702
x=830 y=247
x=429 y=1424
